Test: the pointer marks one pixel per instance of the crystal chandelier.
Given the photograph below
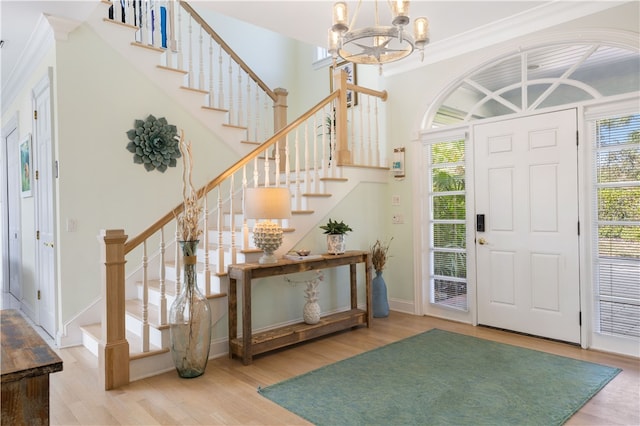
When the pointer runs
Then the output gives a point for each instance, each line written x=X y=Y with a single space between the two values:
x=376 y=44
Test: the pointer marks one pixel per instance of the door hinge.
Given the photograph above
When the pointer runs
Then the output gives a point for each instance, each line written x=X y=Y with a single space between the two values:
x=580 y=318
x=37 y=175
x=37 y=235
x=38 y=294
x=578 y=227
x=577 y=138
x=56 y=167
x=35 y=114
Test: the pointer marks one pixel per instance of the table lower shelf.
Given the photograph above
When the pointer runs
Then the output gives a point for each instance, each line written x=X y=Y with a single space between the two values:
x=295 y=333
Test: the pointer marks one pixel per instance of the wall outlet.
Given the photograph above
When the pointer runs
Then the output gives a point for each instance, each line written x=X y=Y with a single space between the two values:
x=395 y=200
x=397 y=218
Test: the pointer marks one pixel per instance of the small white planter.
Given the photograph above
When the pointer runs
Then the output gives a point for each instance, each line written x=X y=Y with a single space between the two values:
x=336 y=243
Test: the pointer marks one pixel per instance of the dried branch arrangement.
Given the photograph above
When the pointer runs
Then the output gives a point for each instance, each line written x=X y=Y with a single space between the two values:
x=379 y=254
x=188 y=221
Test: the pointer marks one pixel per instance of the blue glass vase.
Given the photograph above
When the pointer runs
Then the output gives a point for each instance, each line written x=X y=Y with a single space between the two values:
x=380 y=301
x=190 y=320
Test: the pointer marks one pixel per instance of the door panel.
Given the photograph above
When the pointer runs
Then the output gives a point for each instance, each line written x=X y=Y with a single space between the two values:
x=527 y=258
x=45 y=247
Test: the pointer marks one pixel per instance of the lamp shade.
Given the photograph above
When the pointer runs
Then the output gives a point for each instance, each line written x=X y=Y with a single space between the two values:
x=267 y=203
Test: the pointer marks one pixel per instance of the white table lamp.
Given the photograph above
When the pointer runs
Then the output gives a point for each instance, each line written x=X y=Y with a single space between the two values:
x=267 y=204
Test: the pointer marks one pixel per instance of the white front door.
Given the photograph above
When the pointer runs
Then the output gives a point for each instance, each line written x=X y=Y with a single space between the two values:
x=527 y=256
x=45 y=231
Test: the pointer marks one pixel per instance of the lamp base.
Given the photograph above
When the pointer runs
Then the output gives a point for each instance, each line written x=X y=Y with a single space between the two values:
x=267 y=236
x=267 y=258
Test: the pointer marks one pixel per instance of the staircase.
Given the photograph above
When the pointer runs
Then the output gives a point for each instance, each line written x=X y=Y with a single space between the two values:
x=321 y=157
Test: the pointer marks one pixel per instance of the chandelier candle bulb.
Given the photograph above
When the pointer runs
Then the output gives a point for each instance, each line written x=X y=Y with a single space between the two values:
x=340 y=17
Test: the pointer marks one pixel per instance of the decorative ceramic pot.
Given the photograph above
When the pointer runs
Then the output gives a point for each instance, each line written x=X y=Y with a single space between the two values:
x=379 y=296
x=311 y=312
x=190 y=320
x=336 y=243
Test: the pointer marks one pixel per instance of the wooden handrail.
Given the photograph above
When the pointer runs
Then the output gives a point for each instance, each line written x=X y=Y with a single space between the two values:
x=380 y=94
x=155 y=227
x=228 y=49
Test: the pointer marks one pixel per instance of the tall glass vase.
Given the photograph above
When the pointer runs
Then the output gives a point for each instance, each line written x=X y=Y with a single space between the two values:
x=190 y=320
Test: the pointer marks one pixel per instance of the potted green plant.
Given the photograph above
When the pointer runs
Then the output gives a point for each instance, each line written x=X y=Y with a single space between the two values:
x=336 y=232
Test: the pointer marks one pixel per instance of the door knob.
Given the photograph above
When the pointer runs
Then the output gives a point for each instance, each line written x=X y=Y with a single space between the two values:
x=482 y=241
x=49 y=245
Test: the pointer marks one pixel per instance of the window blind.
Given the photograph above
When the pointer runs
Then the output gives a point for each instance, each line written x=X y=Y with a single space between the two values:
x=447 y=223
x=616 y=207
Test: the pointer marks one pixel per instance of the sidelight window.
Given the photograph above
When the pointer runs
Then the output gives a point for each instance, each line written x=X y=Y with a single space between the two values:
x=447 y=201
x=616 y=208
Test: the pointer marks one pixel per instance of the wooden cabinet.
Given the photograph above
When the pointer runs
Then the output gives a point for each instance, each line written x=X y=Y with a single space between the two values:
x=250 y=344
x=27 y=361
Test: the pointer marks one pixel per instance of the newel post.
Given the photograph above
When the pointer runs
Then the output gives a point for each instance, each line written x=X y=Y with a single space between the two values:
x=280 y=120
x=113 y=349
x=342 y=148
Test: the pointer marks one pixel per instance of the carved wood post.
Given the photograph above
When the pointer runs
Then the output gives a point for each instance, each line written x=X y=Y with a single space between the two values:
x=280 y=120
x=113 y=349
x=342 y=149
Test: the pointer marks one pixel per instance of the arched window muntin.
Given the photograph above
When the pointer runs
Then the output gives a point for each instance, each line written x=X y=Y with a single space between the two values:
x=540 y=76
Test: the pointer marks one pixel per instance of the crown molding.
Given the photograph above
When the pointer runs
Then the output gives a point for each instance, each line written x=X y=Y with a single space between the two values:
x=48 y=30
x=539 y=18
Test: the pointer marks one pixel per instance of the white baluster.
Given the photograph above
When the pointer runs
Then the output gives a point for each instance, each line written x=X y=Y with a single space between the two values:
x=190 y=54
x=161 y=281
x=240 y=106
x=156 y=36
x=352 y=139
x=130 y=14
x=144 y=22
x=232 y=220
x=362 y=155
x=171 y=33
x=145 y=299
x=220 y=80
x=177 y=261
x=370 y=142
x=297 y=165
x=277 y=160
x=201 y=61
x=325 y=162
x=266 y=166
x=179 y=41
x=248 y=109
x=211 y=85
x=316 y=154
x=205 y=238
x=230 y=105
x=256 y=173
x=257 y=118
x=377 y=134
x=307 y=158
x=245 y=226
x=220 y=233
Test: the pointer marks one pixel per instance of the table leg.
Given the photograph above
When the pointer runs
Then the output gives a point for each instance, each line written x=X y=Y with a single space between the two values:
x=232 y=303
x=247 y=355
x=368 y=276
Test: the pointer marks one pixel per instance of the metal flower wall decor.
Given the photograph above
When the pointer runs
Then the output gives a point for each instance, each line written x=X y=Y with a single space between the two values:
x=153 y=143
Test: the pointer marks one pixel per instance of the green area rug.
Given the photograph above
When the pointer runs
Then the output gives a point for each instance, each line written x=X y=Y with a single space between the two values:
x=439 y=377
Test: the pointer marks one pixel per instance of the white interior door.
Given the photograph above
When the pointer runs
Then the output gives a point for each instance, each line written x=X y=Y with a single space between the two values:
x=527 y=257
x=43 y=184
x=14 y=250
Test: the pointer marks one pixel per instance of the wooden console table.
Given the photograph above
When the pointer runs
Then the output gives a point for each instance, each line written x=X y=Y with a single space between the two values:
x=27 y=361
x=251 y=344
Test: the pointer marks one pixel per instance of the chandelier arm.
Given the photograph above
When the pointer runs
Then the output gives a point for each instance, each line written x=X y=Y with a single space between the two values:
x=355 y=15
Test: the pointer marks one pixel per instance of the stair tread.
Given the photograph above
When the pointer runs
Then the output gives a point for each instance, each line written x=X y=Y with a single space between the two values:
x=135 y=341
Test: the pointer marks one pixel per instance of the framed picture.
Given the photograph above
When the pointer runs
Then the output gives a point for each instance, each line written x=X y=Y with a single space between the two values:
x=350 y=68
x=26 y=180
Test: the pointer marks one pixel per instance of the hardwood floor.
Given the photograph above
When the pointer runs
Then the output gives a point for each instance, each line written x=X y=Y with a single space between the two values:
x=226 y=393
